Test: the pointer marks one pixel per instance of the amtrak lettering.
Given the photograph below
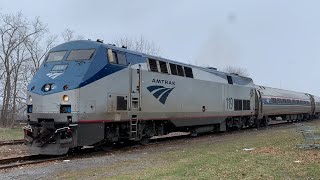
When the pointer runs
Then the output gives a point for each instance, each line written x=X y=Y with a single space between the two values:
x=162 y=81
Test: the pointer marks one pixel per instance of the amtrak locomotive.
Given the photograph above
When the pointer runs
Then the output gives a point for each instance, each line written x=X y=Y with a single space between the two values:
x=90 y=93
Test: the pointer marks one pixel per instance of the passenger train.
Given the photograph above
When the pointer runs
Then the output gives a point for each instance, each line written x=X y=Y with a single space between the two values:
x=87 y=93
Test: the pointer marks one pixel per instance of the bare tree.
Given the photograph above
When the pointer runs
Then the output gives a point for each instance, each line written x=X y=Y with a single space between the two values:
x=15 y=30
x=69 y=35
x=138 y=44
x=19 y=57
x=38 y=46
x=237 y=70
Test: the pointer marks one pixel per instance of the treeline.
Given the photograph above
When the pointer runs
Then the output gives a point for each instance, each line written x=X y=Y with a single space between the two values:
x=24 y=44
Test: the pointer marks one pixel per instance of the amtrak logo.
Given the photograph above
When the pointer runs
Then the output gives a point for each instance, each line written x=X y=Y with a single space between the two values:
x=161 y=93
x=53 y=75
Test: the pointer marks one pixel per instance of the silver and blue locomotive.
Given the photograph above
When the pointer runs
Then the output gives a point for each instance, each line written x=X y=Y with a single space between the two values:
x=91 y=93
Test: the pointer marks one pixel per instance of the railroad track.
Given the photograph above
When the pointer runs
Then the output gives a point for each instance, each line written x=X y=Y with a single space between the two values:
x=26 y=160
x=11 y=142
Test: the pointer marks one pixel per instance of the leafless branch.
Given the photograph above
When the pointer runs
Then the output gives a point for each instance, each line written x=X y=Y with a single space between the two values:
x=237 y=70
x=138 y=44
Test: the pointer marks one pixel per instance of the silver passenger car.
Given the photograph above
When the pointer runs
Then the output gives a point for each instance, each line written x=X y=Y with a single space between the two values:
x=288 y=105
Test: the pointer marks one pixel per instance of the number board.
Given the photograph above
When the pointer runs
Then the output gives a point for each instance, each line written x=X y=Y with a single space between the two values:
x=229 y=104
x=59 y=67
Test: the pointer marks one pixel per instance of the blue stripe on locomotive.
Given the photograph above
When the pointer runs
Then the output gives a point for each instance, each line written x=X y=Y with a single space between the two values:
x=79 y=73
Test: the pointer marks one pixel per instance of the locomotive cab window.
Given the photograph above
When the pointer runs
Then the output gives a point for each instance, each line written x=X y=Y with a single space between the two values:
x=81 y=54
x=55 y=56
x=116 y=57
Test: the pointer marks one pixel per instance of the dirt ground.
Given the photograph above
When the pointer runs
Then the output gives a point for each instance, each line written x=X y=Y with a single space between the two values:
x=50 y=170
x=138 y=159
x=13 y=151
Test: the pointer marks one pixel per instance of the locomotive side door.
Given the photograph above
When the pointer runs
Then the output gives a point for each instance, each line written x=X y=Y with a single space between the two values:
x=135 y=81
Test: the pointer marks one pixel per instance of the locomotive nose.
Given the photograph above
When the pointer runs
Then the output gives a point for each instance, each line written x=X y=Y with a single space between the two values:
x=62 y=107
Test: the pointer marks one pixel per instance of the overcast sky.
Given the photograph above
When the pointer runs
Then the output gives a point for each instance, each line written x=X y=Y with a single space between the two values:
x=277 y=41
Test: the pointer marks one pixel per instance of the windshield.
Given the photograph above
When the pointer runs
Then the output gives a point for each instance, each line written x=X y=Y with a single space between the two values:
x=83 y=54
x=56 y=56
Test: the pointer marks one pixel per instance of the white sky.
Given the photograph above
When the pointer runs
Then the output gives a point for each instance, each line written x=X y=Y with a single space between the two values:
x=277 y=41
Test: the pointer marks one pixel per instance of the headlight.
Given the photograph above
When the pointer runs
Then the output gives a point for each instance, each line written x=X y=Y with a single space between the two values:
x=30 y=98
x=47 y=87
x=65 y=98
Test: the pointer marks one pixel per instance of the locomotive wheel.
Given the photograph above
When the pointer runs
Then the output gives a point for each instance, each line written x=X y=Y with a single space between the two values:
x=265 y=122
x=145 y=140
x=257 y=123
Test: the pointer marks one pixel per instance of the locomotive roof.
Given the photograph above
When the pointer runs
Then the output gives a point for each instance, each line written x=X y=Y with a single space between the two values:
x=88 y=44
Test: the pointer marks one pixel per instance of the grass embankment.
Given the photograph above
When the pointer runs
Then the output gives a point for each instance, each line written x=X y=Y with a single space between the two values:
x=275 y=156
x=11 y=133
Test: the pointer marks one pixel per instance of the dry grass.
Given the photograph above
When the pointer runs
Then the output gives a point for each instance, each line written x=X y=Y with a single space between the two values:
x=11 y=133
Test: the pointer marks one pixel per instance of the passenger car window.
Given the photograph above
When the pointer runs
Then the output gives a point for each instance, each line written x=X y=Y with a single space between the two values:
x=56 y=56
x=81 y=54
